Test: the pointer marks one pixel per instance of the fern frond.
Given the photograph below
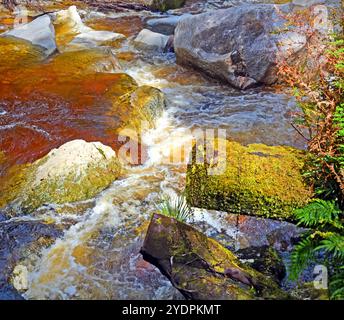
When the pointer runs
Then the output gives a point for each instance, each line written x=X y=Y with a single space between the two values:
x=337 y=285
x=319 y=212
x=302 y=254
x=334 y=244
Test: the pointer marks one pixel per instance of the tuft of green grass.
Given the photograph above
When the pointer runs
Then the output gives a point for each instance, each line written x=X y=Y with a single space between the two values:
x=175 y=207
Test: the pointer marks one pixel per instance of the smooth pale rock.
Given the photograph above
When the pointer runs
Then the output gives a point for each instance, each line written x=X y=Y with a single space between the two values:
x=39 y=32
x=71 y=18
x=78 y=170
x=165 y=26
x=149 y=40
x=239 y=45
x=73 y=34
x=72 y=157
x=20 y=278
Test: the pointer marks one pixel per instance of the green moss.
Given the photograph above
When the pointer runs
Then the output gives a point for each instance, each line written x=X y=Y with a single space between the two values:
x=164 y=5
x=257 y=179
x=138 y=109
x=197 y=264
x=29 y=195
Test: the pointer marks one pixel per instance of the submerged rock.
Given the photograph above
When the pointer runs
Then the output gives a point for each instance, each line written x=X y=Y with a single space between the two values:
x=199 y=267
x=77 y=170
x=149 y=40
x=239 y=45
x=40 y=32
x=254 y=179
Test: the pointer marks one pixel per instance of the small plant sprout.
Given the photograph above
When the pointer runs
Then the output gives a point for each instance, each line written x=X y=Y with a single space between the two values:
x=175 y=206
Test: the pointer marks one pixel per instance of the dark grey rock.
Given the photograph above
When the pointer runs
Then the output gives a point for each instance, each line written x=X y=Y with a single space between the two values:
x=239 y=45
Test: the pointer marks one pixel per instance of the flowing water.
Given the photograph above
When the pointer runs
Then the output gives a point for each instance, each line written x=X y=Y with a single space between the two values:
x=98 y=254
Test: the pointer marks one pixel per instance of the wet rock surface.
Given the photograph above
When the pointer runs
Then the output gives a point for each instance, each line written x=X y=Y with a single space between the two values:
x=226 y=43
x=18 y=241
x=199 y=267
x=265 y=260
x=40 y=32
x=255 y=179
x=149 y=40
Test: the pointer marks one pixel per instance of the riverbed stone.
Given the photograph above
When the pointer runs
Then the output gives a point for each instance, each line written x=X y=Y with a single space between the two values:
x=149 y=40
x=18 y=241
x=199 y=267
x=255 y=179
x=163 y=5
x=73 y=34
x=164 y=25
x=264 y=259
x=75 y=171
x=240 y=45
x=40 y=32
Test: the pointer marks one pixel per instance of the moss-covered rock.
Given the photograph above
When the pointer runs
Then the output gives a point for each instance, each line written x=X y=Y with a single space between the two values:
x=264 y=259
x=78 y=170
x=307 y=291
x=254 y=179
x=199 y=267
x=143 y=106
x=164 y=5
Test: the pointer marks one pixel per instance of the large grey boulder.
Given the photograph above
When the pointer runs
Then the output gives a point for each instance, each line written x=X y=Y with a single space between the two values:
x=239 y=45
x=39 y=32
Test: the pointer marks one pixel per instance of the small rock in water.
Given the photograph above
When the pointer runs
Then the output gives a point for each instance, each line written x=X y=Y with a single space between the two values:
x=39 y=32
x=149 y=40
x=166 y=25
x=20 y=278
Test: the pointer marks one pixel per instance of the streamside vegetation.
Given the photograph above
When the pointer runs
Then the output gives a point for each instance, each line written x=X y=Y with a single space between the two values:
x=321 y=122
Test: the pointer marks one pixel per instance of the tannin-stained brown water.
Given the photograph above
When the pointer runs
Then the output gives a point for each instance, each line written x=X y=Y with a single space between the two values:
x=46 y=102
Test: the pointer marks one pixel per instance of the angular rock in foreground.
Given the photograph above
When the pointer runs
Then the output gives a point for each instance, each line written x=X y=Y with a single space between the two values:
x=199 y=267
x=77 y=170
x=255 y=179
x=40 y=32
x=239 y=45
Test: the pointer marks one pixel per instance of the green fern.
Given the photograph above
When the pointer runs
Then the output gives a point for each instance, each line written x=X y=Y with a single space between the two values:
x=175 y=207
x=337 y=285
x=319 y=212
x=301 y=256
x=333 y=244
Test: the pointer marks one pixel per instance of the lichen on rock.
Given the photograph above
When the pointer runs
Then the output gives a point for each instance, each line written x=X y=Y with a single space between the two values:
x=78 y=170
x=256 y=179
x=201 y=268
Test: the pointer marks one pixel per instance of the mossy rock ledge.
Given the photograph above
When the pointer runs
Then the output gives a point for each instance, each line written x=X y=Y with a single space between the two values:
x=199 y=267
x=255 y=179
x=77 y=170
